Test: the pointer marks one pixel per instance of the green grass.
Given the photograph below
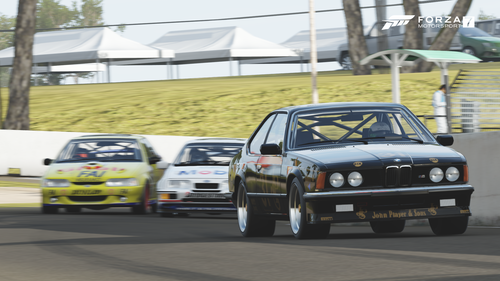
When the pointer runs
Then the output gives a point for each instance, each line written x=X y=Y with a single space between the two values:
x=215 y=107
x=18 y=184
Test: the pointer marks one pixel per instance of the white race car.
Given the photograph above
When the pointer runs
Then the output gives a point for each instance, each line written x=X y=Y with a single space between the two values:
x=198 y=178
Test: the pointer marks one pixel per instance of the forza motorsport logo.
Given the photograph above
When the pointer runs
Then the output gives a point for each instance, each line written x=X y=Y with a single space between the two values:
x=430 y=22
x=397 y=20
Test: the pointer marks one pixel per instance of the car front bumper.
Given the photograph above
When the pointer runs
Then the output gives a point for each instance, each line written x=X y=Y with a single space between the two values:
x=183 y=204
x=388 y=204
x=92 y=196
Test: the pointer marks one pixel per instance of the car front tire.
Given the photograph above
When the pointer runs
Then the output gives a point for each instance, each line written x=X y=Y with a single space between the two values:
x=298 y=217
x=449 y=226
x=142 y=208
x=248 y=224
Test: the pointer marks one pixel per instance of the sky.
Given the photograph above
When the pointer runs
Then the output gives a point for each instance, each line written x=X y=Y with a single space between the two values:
x=274 y=29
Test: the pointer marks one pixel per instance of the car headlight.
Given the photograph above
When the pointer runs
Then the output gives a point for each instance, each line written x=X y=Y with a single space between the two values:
x=452 y=174
x=436 y=175
x=337 y=180
x=487 y=45
x=122 y=182
x=355 y=179
x=179 y=184
x=55 y=183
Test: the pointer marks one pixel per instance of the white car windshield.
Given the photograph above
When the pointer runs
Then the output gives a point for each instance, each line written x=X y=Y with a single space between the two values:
x=219 y=154
x=104 y=150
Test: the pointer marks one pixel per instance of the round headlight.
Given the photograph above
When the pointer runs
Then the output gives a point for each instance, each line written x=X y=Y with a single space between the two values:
x=355 y=179
x=452 y=174
x=436 y=175
x=337 y=180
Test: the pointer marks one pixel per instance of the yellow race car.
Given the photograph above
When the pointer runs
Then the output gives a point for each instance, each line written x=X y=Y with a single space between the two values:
x=102 y=171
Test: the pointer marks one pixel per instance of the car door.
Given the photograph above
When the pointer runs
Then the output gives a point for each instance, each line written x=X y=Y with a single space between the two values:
x=254 y=182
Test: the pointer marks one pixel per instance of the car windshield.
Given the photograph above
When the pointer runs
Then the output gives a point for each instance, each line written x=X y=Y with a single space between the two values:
x=219 y=154
x=363 y=126
x=472 y=32
x=105 y=150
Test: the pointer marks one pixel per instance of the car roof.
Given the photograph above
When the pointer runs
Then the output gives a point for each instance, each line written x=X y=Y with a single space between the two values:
x=217 y=140
x=111 y=136
x=336 y=105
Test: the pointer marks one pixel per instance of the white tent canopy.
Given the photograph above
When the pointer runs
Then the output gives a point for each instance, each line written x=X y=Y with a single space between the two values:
x=212 y=45
x=82 y=46
x=327 y=46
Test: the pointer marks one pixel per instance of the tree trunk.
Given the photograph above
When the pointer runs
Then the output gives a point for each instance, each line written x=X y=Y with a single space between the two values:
x=445 y=36
x=18 y=111
x=413 y=38
x=357 y=43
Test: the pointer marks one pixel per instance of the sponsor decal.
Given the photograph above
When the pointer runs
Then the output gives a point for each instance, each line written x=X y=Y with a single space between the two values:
x=202 y=172
x=326 y=218
x=99 y=168
x=85 y=192
x=206 y=195
x=434 y=160
x=63 y=192
x=87 y=174
x=361 y=214
x=111 y=191
x=357 y=164
x=465 y=211
x=288 y=169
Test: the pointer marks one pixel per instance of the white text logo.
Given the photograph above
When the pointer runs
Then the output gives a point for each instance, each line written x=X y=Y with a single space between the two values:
x=397 y=21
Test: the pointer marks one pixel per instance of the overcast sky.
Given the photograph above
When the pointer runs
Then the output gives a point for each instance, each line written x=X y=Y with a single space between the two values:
x=274 y=29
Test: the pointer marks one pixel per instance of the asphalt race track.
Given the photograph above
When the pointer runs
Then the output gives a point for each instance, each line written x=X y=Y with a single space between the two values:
x=117 y=245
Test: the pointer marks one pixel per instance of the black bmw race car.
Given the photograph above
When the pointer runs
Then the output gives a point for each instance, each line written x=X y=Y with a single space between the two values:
x=348 y=162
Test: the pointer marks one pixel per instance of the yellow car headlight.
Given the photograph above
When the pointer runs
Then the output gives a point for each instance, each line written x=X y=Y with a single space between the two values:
x=55 y=183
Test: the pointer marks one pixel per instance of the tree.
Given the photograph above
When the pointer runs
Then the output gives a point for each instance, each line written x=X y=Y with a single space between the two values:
x=6 y=40
x=51 y=14
x=90 y=13
x=413 y=38
x=483 y=16
x=442 y=42
x=18 y=111
x=356 y=39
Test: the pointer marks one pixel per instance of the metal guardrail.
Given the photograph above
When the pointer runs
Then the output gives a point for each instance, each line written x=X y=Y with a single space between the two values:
x=475 y=101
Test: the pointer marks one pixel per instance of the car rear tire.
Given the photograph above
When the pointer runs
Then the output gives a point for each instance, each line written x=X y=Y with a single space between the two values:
x=142 y=208
x=298 y=217
x=49 y=210
x=73 y=209
x=449 y=226
x=388 y=226
x=248 y=224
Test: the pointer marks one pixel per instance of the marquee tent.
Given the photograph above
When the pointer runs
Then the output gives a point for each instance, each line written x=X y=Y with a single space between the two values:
x=327 y=46
x=212 y=45
x=90 y=45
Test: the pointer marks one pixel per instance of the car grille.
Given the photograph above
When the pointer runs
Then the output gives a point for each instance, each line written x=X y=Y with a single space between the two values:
x=88 y=183
x=207 y=186
x=87 y=198
x=398 y=176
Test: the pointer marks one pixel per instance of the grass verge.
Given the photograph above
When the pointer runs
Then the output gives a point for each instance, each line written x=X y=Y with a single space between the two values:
x=215 y=107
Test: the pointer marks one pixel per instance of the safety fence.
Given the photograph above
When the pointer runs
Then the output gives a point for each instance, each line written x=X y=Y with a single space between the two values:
x=475 y=101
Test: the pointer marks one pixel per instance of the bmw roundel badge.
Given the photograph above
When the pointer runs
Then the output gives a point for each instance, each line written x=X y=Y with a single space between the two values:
x=397 y=160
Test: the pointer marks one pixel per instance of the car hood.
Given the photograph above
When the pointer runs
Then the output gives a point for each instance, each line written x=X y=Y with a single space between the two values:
x=196 y=172
x=91 y=171
x=381 y=154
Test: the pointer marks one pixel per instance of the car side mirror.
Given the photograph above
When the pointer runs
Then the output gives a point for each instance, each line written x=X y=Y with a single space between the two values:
x=47 y=161
x=154 y=160
x=162 y=165
x=270 y=149
x=445 y=140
